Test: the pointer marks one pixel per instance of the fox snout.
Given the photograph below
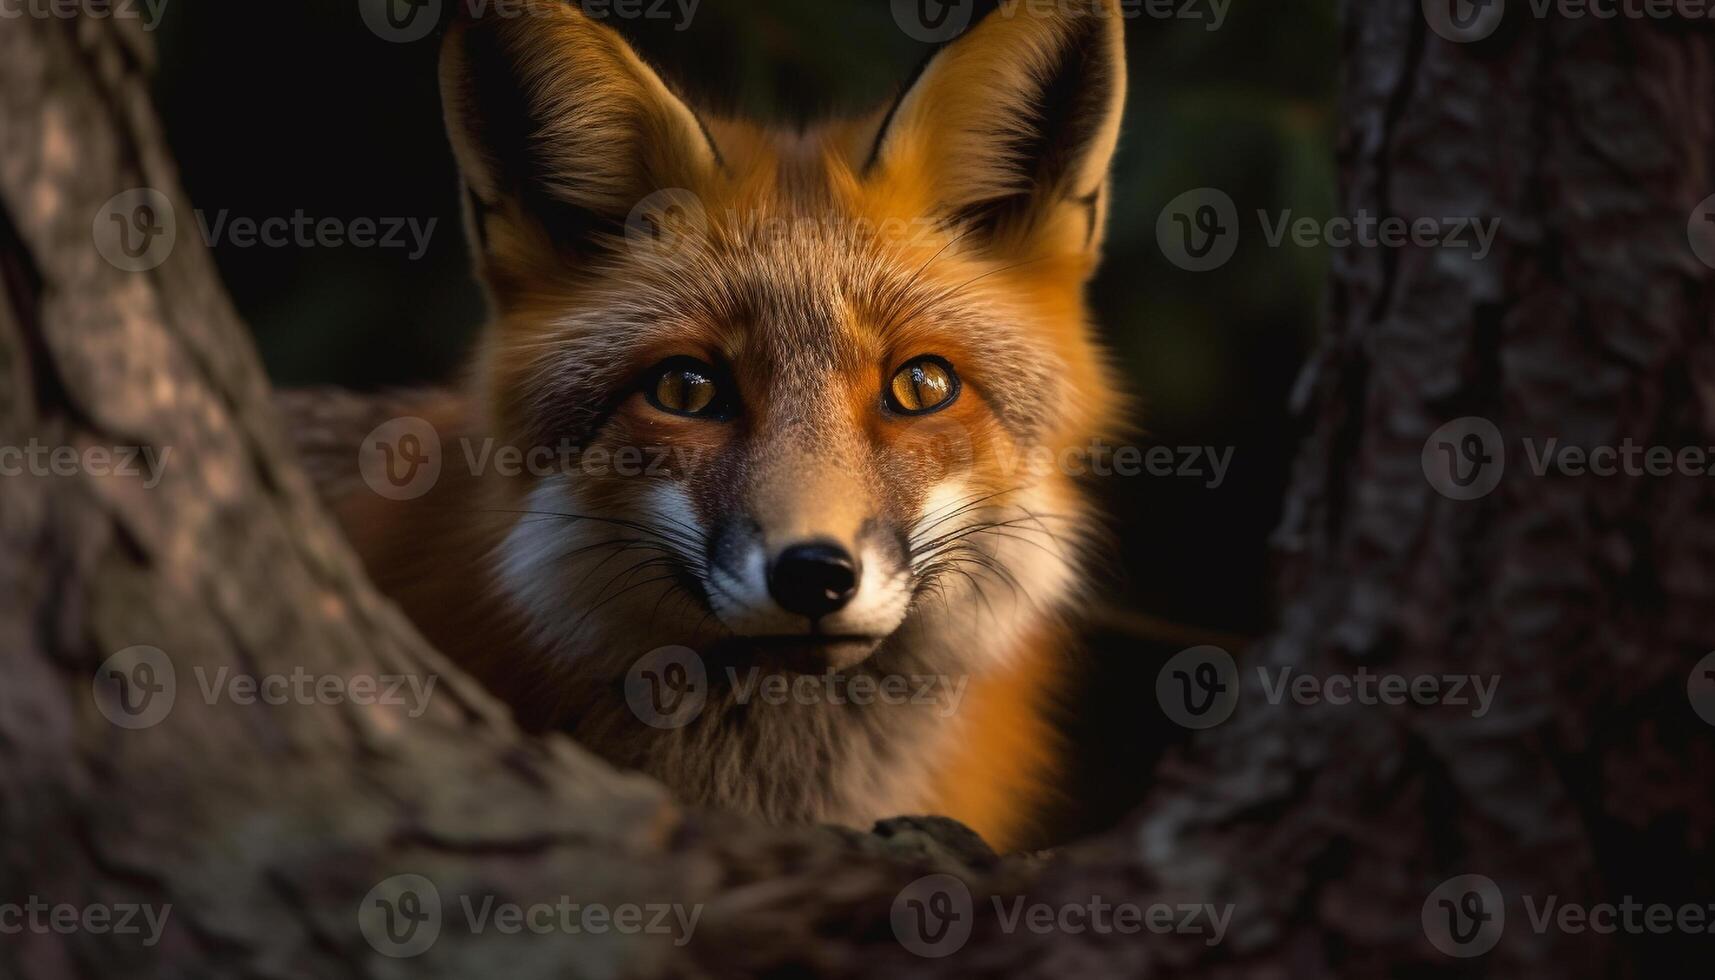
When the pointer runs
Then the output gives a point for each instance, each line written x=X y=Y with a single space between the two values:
x=809 y=562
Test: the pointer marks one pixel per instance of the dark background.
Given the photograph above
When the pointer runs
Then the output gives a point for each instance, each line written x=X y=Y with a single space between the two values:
x=276 y=108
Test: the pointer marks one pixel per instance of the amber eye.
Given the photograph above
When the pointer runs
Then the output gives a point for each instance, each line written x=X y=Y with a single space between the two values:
x=924 y=385
x=687 y=386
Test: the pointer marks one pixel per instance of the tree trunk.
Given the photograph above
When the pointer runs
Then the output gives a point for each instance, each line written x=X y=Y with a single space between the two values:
x=275 y=833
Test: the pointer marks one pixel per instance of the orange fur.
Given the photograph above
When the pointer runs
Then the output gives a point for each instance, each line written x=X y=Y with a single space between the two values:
x=999 y=780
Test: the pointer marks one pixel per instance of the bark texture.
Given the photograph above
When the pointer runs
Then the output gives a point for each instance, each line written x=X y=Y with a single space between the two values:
x=1324 y=829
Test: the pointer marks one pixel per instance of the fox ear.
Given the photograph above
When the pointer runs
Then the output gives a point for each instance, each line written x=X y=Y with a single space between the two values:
x=560 y=129
x=1015 y=124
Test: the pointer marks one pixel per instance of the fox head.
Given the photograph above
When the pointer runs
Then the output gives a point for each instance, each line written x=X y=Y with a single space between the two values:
x=811 y=376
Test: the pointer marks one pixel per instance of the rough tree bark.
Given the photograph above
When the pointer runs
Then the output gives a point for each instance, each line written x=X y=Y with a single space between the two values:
x=1325 y=829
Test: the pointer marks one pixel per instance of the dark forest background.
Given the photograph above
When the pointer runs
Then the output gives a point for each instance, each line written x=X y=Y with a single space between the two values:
x=328 y=118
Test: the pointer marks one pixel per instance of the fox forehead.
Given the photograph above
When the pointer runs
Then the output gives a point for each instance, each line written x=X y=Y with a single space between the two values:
x=801 y=294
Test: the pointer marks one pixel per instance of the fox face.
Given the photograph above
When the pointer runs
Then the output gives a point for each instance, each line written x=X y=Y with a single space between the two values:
x=812 y=377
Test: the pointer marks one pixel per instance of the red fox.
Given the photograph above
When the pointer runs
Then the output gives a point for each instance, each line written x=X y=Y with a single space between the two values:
x=834 y=356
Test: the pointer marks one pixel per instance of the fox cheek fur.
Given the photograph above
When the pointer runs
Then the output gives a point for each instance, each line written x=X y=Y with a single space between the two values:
x=810 y=522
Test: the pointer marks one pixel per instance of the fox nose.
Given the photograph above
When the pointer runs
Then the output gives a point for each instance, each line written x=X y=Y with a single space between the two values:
x=813 y=579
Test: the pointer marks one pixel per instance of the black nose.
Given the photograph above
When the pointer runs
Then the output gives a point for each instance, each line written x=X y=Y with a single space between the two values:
x=813 y=579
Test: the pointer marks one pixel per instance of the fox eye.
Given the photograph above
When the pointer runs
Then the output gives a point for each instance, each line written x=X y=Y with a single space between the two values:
x=924 y=385
x=686 y=386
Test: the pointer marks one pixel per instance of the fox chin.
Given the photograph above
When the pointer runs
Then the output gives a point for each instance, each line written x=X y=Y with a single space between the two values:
x=784 y=525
